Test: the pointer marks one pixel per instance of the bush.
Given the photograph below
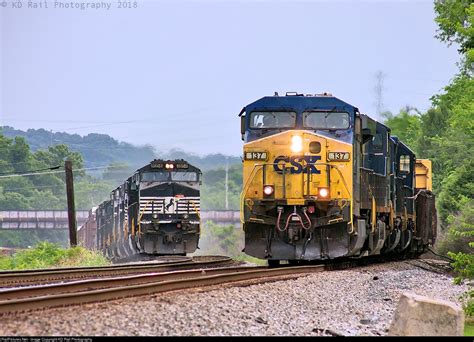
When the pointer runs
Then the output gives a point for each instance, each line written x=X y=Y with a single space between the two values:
x=458 y=243
x=463 y=265
x=19 y=238
x=46 y=255
x=226 y=240
x=221 y=239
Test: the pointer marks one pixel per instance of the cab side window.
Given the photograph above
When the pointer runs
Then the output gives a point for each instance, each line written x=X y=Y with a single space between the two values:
x=404 y=165
x=377 y=142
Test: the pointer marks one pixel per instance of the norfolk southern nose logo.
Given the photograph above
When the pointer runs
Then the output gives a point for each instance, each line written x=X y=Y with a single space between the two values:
x=298 y=164
x=170 y=204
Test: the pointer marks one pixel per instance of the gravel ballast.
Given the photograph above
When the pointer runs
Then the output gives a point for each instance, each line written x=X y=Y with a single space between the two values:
x=359 y=301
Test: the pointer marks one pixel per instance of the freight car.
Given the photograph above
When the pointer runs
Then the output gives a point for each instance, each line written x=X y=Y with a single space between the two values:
x=323 y=181
x=155 y=211
x=87 y=233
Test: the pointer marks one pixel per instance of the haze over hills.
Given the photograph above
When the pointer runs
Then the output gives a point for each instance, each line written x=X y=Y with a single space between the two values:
x=102 y=149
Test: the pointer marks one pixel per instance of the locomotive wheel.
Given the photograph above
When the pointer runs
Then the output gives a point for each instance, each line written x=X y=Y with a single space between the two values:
x=393 y=240
x=108 y=253
x=132 y=244
x=405 y=239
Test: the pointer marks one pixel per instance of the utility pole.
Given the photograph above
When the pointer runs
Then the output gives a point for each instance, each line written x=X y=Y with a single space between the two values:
x=71 y=210
x=378 y=89
x=226 y=183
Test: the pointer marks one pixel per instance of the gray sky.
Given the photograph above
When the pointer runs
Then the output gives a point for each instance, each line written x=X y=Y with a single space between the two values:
x=176 y=73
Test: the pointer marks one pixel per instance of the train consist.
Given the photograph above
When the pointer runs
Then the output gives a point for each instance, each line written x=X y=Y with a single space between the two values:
x=155 y=211
x=323 y=181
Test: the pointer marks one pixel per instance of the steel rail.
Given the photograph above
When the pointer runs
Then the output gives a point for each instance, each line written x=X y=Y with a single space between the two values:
x=51 y=275
x=101 y=283
x=75 y=268
x=200 y=278
x=435 y=266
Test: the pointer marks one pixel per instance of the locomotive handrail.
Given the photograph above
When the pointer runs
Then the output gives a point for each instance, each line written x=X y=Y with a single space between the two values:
x=141 y=214
x=419 y=193
x=244 y=190
x=195 y=209
x=372 y=171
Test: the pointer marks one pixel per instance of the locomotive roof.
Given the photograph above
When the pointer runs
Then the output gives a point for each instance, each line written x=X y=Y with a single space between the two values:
x=402 y=144
x=299 y=102
x=383 y=125
x=148 y=167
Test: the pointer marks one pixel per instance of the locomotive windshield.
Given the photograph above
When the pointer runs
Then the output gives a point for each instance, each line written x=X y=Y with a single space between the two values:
x=272 y=119
x=326 y=120
x=184 y=176
x=167 y=176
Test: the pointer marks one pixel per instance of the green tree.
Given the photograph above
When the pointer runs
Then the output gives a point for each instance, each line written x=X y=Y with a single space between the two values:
x=455 y=20
x=89 y=192
x=58 y=154
x=213 y=188
x=117 y=172
x=433 y=127
x=20 y=157
x=451 y=147
x=13 y=201
x=457 y=191
x=406 y=126
x=221 y=239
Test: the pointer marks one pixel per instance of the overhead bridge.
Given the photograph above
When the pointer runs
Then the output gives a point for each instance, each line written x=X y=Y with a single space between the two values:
x=58 y=219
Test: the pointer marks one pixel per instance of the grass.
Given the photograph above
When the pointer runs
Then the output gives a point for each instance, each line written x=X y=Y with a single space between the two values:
x=469 y=329
x=48 y=255
x=247 y=258
x=468 y=305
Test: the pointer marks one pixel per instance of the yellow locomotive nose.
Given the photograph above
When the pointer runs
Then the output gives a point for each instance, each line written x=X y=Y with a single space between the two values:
x=299 y=166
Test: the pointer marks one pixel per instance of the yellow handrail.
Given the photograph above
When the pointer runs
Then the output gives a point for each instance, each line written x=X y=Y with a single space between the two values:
x=244 y=190
x=195 y=209
x=140 y=217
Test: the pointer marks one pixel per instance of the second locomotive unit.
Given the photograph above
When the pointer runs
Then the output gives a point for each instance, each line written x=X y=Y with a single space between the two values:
x=323 y=181
x=155 y=211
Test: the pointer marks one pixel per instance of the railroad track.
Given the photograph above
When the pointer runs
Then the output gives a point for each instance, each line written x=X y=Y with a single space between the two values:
x=432 y=265
x=167 y=276
x=44 y=276
x=96 y=290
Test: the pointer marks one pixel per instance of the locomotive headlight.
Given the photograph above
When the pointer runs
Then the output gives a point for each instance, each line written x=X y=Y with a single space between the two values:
x=296 y=143
x=268 y=190
x=323 y=192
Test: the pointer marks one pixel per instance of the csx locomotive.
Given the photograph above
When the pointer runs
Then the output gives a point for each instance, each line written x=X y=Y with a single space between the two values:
x=323 y=181
x=155 y=211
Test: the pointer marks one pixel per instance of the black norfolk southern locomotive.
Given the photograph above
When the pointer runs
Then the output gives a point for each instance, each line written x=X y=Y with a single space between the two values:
x=323 y=181
x=155 y=211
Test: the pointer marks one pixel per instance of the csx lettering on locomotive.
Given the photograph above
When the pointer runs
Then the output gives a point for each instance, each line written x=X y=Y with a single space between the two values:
x=299 y=164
